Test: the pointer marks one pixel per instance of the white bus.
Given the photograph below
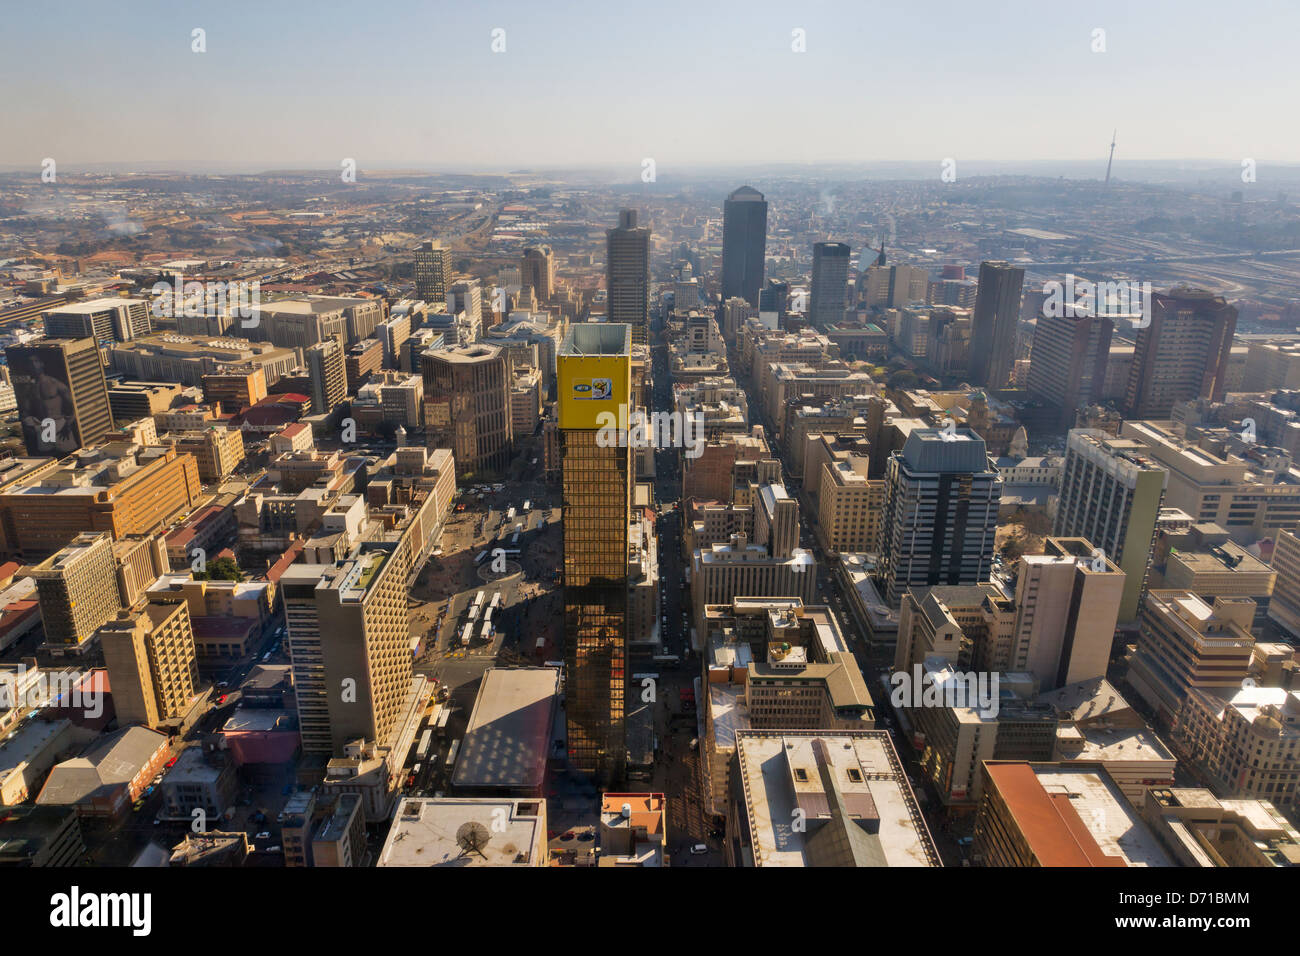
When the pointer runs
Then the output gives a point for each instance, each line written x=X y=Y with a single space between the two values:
x=528 y=505
x=451 y=753
x=466 y=634
x=514 y=538
x=486 y=633
x=510 y=515
x=473 y=613
x=422 y=751
x=478 y=599
x=496 y=600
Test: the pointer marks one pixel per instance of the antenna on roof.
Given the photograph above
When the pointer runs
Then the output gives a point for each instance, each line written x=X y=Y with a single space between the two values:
x=1112 y=155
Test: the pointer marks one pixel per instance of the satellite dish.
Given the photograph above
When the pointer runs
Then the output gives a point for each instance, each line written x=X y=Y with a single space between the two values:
x=472 y=837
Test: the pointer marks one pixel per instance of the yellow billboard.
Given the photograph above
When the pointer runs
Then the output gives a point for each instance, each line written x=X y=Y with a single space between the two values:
x=592 y=384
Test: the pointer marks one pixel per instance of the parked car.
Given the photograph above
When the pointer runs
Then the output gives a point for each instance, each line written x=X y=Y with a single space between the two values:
x=699 y=848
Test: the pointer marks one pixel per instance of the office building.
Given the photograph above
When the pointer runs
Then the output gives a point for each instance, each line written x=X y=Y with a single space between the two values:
x=744 y=244
x=1284 y=608
x=829 y=295
x=217 y=450
x=1068 y=363
x=1061 y=815
x=848 y=788
x=993 y=325
x=349 y=645
x=1111 y=492
x=627 y=275
x=940 y=515
x=594 y=375
x=467 y=831
x=1186 y=644
x=1199 y=829
x=537 y=272
x=1182 y=354
x=61 y=393
x=327 y=372
x=77 y=588
x=432 y=271
x=105 y=320
x=467 y=405
x=151 y=663
x=633 y=829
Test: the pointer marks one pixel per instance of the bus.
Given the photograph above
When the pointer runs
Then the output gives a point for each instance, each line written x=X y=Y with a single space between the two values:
x=442 y=720
x=451 y=754
x=487 y=616
x=478 y=599
x=422 y=751
x=466 y=634
x=486 y=633
x=496 y=600
x=510 y=515
x=528 y=505
x=473 y=613
x=514 y=538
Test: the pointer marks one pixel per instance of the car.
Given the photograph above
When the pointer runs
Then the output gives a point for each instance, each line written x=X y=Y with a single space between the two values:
x=138 y=806
x=222 y=699
x=699 y=848
x=157 y=779
x=568 y=835
x=223 y=683
x=273 y=849
x=264 y=835
x=171 y=763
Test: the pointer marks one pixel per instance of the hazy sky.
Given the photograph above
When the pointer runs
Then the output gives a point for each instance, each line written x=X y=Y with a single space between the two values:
x=584 y=82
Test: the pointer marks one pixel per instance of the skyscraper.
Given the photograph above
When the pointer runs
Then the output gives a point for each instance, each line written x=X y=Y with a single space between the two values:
x=993 y=326
x=627 y=275
x=537 y=271
x=151 y=663
x=1183 y=354
x=744 y=244
x=941 y=511
x=61 y=392
x=467 y=404
x=1110 y=494
x=327 y=371
x=349 y=645
x=830 y=283
x=432 y=271
x=594 y=370
x=1067 y=367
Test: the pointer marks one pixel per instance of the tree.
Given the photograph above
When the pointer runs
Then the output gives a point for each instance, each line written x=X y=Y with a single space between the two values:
x=221 y=569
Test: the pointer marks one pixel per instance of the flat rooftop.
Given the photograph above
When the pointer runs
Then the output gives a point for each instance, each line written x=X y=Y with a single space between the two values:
x=508 y=737
x=465 y=832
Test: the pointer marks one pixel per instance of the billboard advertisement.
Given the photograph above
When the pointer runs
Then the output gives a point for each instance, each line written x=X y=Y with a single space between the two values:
x=591 y=384
x=45 y=406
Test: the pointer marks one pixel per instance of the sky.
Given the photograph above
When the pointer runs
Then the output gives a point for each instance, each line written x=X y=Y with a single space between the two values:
x=406 y=84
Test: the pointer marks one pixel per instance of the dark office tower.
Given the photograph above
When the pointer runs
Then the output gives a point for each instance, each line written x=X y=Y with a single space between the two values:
x=1182 y=355
x=941 y=512
x=830 y=284
x=327 y=372
x=1067 y=367
x=993 y=326
x=744 y=244
x=61 y=393
x=627 y=275
x=774 y=297
x=593 y=375
x=537 y=271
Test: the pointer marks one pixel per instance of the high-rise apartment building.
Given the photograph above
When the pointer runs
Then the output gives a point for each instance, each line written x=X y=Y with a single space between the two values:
x=941 y=508
x=327 y=372
x=744 y=244
x=77 y=588
x=1111 y=490
x=432 y=271
x=467 y=404
x=1182 y=354
x=1284 y=608
x=349 y=645
x=594 y=376
x=829 y=295
x=1068 y=363
x=627 y=275
x=993 y=326
x=62 y=395
x=151 y=663
x=537 y=272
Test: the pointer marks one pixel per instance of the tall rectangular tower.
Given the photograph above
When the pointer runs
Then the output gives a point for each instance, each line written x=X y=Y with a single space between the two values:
x=62 y=395
x=941 y=512
x=744 y=244
x=432 y=271
x=627 y=275
x=993 y=326
x=594 y=370
x=1183 y=353
x=830 y=284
